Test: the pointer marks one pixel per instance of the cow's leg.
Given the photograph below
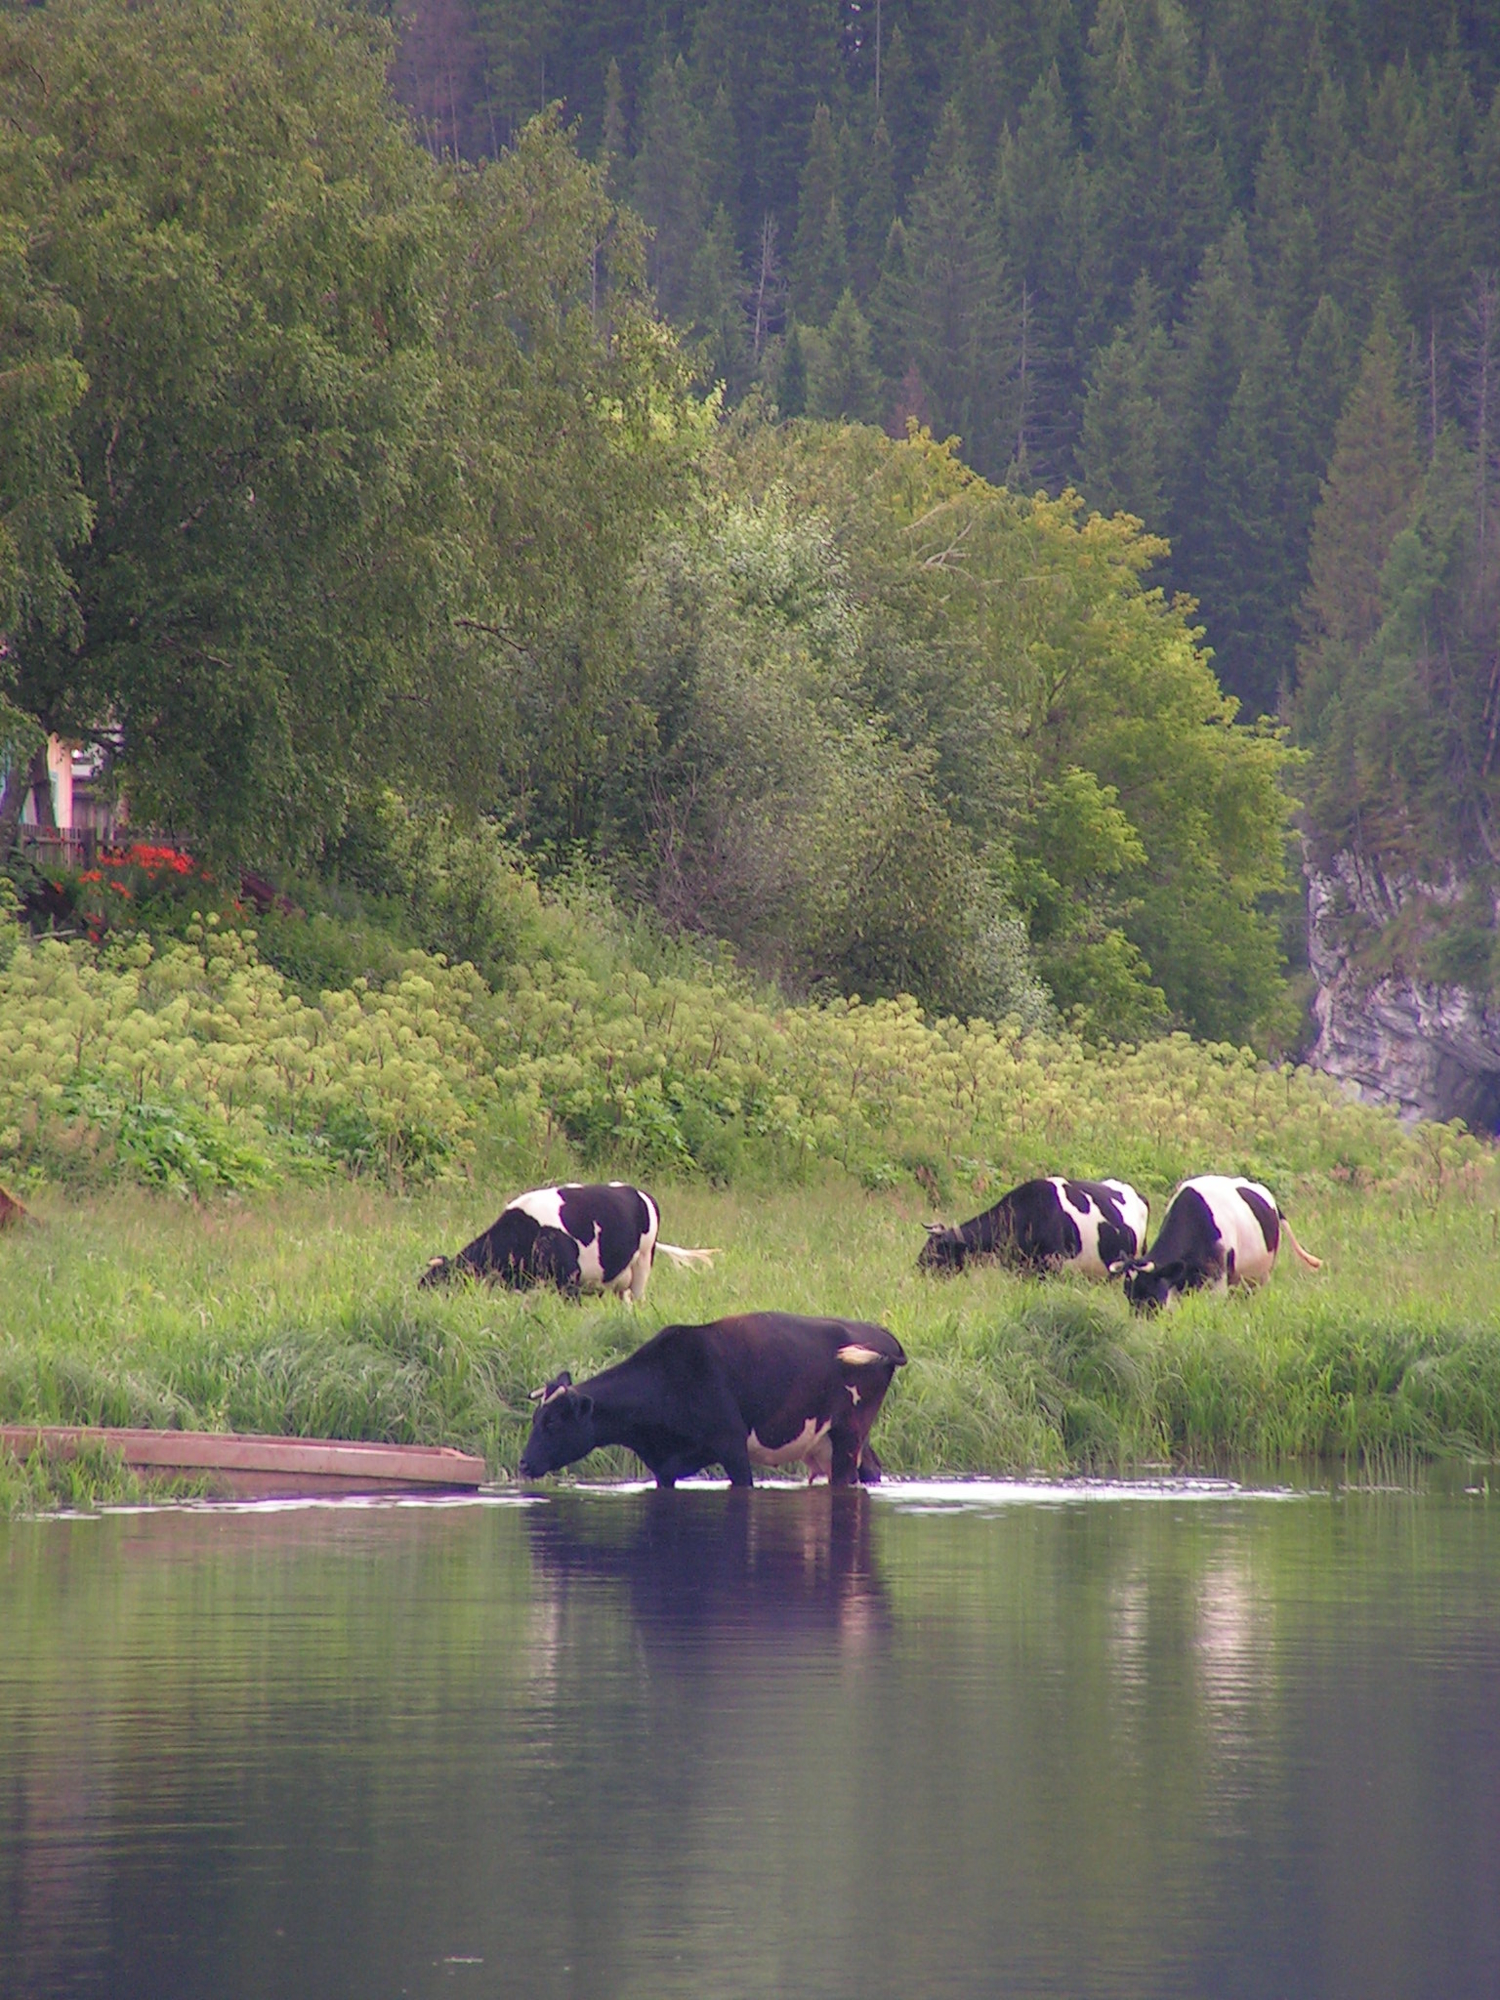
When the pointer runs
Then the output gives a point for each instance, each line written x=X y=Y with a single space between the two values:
x=734 y=1456
x=640 y=1271
x=870 y=1468
x=674 y=1465
x=845 y=1468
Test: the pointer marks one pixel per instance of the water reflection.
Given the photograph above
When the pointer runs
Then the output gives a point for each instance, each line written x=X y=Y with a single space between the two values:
x=773 y=1573
x=713 y=1744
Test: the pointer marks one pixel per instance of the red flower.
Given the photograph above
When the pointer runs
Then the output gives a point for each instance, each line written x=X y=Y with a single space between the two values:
x=143 y=855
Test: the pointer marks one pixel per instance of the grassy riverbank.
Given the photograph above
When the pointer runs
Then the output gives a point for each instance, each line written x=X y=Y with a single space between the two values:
x=299 y=1313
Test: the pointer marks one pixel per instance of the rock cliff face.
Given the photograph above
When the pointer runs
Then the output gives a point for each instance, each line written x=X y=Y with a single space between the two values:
x=1431 y=1051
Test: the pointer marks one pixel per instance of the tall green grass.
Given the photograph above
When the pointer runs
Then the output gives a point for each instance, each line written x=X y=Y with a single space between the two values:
x=299 y=1313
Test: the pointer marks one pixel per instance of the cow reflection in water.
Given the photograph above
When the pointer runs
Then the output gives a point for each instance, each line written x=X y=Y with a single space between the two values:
x=757 y=1570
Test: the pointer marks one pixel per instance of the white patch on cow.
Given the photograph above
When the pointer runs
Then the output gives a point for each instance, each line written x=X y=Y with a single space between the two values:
x=591 y=1263
x=855 y=1356
x=543 y=1205
x=806 y=1444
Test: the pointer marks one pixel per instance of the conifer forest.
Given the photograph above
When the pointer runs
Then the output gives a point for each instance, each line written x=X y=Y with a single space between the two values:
x=945 y=497
x=1230 y=268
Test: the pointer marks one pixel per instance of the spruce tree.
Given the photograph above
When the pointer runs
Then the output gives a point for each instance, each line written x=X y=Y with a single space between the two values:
x=842 y=379
x=1408 y=225
x=813 y=246
x=791 y=376
x=1045 y=231
x=1122 y=454
x=874 y=211
x=1159 y=182
x=1213 y=344
x=955 y=318
x=1365 y=502
x=668 y=181
x=1257 y=504
x=715 y=307
x=1323 y=379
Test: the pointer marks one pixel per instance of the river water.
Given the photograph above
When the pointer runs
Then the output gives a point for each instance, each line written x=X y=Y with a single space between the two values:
x=942 y=1740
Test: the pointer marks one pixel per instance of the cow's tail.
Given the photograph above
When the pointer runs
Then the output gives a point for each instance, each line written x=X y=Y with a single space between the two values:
x=693 y=1260
x=1313 y=1263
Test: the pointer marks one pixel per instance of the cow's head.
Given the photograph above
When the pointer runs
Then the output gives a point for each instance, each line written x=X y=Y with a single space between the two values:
x=562 y=1429
x=438 y=1272
x=944 y=1250
x=1150 y=1286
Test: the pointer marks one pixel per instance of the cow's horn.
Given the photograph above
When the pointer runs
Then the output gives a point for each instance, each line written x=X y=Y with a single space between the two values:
x=935 y=1228
x=536 y=1395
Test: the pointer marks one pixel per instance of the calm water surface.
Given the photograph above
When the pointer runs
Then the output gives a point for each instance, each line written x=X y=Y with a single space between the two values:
x=935 y=1742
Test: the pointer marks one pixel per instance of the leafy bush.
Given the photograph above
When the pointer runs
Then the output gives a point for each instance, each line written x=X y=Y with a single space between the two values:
x=194 y=1064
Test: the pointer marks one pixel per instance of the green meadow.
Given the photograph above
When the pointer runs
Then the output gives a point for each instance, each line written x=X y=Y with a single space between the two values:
x=299 y=1313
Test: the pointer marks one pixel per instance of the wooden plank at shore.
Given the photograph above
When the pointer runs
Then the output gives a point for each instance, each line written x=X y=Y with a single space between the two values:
x=244 y=1463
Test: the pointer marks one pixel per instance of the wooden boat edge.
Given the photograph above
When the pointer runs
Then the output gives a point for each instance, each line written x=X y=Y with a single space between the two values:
x=250 y=1464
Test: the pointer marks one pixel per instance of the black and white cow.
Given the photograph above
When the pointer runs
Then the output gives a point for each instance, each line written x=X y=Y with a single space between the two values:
x=1218 y=1232
x=581 y=1237
x=757 y=1389
x=1047 y=1225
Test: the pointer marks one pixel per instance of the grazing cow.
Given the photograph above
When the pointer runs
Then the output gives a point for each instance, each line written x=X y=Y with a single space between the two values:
x=578 y=1237
x=757 y=1389
x=1047 y=1225
x=1218 y=1232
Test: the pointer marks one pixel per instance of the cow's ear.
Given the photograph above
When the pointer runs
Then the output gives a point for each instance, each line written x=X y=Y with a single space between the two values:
x=563 y=1381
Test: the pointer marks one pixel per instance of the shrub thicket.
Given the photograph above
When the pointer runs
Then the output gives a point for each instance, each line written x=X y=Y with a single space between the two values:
x=194 y=1063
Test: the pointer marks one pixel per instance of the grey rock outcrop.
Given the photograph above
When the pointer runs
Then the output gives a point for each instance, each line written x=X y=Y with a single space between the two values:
x=1428 y=1050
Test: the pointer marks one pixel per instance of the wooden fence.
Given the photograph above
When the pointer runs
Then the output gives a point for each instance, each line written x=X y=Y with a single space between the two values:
x=64 y=846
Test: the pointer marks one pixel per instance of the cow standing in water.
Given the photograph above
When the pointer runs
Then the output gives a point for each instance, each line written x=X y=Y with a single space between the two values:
x=1217 y=1232
x=765 y=1388
x=1047 y=1225
x=581 y=1237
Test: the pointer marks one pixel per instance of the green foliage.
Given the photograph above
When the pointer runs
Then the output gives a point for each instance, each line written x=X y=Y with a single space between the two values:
x=842 y=380
x=1367 y=499
x=1074 y=729
x=76 y=1482
x=307 y=424
x=247 y=255
x=1265 y=178
x=195 y=1065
